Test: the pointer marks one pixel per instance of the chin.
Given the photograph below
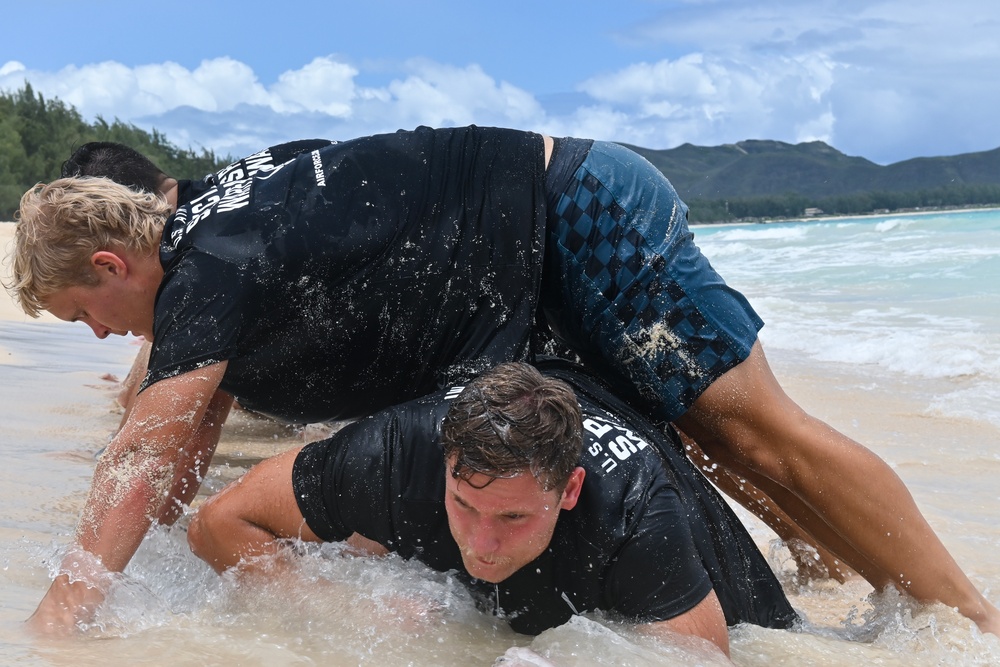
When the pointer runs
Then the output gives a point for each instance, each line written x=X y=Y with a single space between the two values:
x=492 y=574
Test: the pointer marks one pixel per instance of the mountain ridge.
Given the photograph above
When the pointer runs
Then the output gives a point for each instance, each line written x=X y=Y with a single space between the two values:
x=813 y=169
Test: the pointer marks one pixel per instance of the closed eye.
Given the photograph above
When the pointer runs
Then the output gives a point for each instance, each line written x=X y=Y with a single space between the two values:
x=461 y=503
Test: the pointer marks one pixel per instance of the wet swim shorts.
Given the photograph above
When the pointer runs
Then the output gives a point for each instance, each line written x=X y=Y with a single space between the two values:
x=625 y=285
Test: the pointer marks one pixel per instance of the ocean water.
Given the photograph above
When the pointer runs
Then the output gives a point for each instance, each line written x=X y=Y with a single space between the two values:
x=887 y=328
x=915 y=298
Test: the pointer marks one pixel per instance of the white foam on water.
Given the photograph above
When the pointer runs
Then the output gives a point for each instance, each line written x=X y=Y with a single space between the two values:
x=909 y=296
x=917 y=353
x=981 y=401
x=893 y=224
x=330 y=608
x=336 y=609
x=755 y=233
x=170 y=609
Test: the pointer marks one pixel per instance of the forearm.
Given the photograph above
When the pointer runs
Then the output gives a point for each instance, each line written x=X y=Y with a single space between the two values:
x=132 y=482
x=127 y=491
x=112 y=527
x=130 y=385
x=195 y=459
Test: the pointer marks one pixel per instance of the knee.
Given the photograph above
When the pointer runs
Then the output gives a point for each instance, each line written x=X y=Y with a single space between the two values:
x=205 y=523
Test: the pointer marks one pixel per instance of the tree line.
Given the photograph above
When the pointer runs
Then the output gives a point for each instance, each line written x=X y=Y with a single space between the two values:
x=37 y=135
x=792 y=205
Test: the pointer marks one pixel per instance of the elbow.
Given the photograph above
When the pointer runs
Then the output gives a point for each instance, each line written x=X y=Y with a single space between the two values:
x=216 y=534
x=200 y=531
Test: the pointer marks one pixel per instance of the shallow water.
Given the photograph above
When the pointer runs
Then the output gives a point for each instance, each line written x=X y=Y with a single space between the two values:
x=903 y=364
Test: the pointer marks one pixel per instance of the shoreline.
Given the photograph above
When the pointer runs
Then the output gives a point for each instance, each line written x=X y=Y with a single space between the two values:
x=859 y=216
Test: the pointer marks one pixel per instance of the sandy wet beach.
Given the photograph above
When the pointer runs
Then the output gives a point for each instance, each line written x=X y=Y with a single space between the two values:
x=57 y=410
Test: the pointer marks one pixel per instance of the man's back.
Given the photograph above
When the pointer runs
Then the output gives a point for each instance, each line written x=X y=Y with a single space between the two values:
x=358 y=275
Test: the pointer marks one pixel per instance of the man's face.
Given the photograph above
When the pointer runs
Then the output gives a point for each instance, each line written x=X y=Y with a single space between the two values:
x=113 y=306
x=120 y=303
x=506 y=524
x=99 y=308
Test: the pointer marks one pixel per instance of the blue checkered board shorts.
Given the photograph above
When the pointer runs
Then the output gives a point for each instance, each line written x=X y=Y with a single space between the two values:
x=626 y=287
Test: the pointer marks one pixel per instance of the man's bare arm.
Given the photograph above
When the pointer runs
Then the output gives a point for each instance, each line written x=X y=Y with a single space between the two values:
x=706 y=620
x=132 y=483
x=130 y=385
x=195 y=459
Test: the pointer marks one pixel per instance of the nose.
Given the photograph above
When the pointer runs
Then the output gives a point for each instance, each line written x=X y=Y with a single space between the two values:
x=484 y=538
x=99 y=330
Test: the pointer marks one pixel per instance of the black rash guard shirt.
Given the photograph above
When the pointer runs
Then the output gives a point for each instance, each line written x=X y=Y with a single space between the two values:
x=357 y=275
x=244 y=168
x=647 y=540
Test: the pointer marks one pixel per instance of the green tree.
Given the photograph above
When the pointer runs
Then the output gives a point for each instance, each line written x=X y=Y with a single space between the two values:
x=37 y=135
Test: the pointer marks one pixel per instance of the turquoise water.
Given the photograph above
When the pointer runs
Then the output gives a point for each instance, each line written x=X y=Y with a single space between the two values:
x=915 y=297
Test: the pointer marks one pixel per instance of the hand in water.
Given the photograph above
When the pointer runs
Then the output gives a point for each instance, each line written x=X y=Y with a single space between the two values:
x=73 y=597
x=64 y=606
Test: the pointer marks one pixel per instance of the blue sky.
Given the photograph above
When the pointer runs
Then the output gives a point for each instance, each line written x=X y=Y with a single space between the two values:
x=887 y=80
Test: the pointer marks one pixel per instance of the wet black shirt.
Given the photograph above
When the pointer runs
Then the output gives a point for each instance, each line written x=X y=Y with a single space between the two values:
x=647 y=540
x=357 y=275
x=244 y=168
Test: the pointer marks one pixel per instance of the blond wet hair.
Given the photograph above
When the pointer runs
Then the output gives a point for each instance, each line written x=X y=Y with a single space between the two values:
x=60 y=225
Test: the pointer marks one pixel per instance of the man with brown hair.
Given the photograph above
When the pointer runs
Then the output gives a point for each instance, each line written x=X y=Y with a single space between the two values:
x=548 y=502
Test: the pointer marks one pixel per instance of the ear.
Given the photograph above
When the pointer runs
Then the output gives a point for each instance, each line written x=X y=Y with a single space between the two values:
x=573 y=487
x=109 y=263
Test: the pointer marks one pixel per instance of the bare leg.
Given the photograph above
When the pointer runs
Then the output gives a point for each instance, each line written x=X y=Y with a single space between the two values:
x=746 y=418
x=747 y=488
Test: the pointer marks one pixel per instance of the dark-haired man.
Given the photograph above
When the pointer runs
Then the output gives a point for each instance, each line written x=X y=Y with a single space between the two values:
x=546 y=501
x=123 y=164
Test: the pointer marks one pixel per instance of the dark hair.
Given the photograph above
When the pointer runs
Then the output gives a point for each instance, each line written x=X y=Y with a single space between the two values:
x=513 y=419
x=118 y=162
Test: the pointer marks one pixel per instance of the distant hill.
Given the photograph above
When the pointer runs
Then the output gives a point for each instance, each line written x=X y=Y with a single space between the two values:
x=750 y=180
x=811 y=169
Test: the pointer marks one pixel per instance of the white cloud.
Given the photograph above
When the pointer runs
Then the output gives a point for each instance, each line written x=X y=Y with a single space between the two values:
x=436 y=94
x=113 y=90
x=708 y=100
x=887 y=79
x=155 y=95
x=324 y=85
x=880 y=78
x=229 y=82
x=11 y=67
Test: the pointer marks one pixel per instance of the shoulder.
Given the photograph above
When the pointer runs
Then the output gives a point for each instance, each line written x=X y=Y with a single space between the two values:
x=407 y=431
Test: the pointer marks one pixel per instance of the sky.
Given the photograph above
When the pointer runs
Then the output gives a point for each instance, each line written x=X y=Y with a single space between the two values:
x=887 y=80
